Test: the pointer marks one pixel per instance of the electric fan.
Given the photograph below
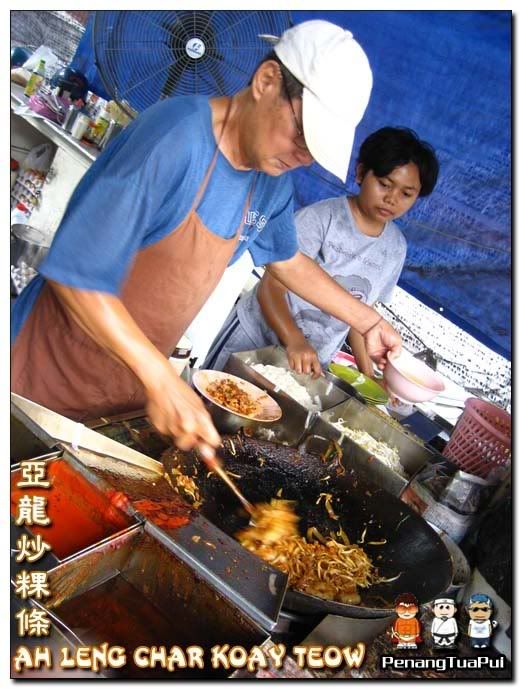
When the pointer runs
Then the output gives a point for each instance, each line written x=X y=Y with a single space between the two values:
x=143 y=56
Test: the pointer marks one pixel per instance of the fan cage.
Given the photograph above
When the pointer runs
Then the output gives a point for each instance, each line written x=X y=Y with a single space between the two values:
x=145 y=56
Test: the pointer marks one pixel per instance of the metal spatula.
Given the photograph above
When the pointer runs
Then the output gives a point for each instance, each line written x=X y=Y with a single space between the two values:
x=62 y=429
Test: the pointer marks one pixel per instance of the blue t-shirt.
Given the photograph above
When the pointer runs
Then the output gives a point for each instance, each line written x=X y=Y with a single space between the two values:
x=142 y=187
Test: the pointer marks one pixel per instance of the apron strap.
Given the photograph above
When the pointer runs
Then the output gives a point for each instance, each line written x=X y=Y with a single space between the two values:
x=206 y=178
x=210 y=169
x=246 y=205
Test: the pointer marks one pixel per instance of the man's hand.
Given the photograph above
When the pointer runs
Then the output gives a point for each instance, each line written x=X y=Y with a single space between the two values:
x=381 y=339
x=173 y=407
x=177 y=411
x=302 y=357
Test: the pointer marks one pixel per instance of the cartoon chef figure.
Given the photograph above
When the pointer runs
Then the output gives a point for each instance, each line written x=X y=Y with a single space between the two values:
x=444 y=628
x=480 y=628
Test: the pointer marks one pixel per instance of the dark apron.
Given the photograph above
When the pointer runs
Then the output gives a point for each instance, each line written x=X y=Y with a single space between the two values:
x=56 y=364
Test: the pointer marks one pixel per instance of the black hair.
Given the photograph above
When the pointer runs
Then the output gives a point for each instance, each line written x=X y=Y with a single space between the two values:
x=294 y=88
x=391 y=147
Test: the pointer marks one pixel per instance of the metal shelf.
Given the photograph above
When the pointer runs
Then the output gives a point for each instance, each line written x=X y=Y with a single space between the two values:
x=83 y=154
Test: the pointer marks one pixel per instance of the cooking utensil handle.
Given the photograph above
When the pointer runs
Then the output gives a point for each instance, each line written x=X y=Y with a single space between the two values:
x=210 y=458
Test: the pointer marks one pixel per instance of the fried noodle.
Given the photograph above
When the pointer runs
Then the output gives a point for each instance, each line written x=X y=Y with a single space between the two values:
x=320 y=566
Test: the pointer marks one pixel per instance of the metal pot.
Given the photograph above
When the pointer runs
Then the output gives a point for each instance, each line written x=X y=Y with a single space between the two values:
x=28 y=245
x=28 y=248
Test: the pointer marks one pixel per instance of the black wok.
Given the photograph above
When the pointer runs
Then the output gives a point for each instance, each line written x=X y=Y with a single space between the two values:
x=264 y=470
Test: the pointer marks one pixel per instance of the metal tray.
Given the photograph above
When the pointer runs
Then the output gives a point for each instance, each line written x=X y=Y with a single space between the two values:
x=81 y=515
x=133 y=591
x=414 y=455
x=23 y=443
x=214 y=556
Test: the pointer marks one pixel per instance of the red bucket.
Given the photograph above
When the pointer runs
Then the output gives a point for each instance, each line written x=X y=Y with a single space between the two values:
x=481 y=440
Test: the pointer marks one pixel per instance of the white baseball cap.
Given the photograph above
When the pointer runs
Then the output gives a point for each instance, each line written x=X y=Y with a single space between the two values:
x=337 y=81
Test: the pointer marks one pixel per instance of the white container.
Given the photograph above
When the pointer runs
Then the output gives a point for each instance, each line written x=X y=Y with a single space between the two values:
x=181 y=355
x=80 y=126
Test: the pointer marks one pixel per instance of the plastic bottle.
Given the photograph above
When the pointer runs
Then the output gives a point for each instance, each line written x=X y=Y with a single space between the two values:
x=20 y=214
x=100 y=126
x=36 y=79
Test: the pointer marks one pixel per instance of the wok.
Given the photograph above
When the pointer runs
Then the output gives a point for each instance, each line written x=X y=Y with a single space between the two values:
x=264 y=470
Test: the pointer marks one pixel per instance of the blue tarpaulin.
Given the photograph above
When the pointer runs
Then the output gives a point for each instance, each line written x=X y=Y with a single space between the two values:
x=447 y=75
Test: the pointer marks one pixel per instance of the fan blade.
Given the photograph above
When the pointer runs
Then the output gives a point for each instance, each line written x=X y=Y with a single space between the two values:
x=182 y=26
x=136 y=84
x=230 y=27
x=233 y=66
x=202 y=76
x=146 y=15
x=207 y=32
x=218 y=79
x=174 y=74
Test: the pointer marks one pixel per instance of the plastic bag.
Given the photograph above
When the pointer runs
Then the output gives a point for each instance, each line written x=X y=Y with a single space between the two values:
x=43 y=53
x=39 y=158
x=21 y=76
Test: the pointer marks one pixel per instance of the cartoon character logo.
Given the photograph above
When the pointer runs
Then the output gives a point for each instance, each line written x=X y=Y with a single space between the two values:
x=358 y=286
x=480 y=628
x=406 y=632
x=320 y=328
x=444 y=629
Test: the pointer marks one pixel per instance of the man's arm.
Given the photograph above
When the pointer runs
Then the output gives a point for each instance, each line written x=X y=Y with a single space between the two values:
x=173 y=407
x=271 y=295
x=304 y=277
x=358 y=347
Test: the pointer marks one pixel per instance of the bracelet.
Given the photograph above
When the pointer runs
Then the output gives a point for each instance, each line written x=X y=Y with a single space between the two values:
x=372 y=326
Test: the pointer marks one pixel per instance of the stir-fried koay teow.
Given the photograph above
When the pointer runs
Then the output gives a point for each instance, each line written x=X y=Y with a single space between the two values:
x=324 y=567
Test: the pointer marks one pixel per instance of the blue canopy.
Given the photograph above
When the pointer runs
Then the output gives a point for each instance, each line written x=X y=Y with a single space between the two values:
x=447 y=75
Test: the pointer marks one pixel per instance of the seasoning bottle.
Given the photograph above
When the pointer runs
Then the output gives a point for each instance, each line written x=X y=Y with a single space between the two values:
x=36 y=79
x=92 y=106
x=100 y=126
x=112 y=130
x=80 y=126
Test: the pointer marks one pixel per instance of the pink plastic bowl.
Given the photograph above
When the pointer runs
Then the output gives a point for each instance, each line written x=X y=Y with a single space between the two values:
x=411 y=380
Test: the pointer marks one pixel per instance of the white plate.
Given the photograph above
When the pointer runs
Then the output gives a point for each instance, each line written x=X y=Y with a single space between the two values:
x=267 y=409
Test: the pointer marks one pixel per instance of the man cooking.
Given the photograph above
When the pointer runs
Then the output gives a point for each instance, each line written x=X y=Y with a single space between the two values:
x=151 y=227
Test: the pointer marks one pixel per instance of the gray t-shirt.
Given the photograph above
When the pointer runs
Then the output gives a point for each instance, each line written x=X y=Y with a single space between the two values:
x=368 y=267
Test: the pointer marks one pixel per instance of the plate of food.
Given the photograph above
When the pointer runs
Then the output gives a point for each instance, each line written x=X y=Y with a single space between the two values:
x=237 y=396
